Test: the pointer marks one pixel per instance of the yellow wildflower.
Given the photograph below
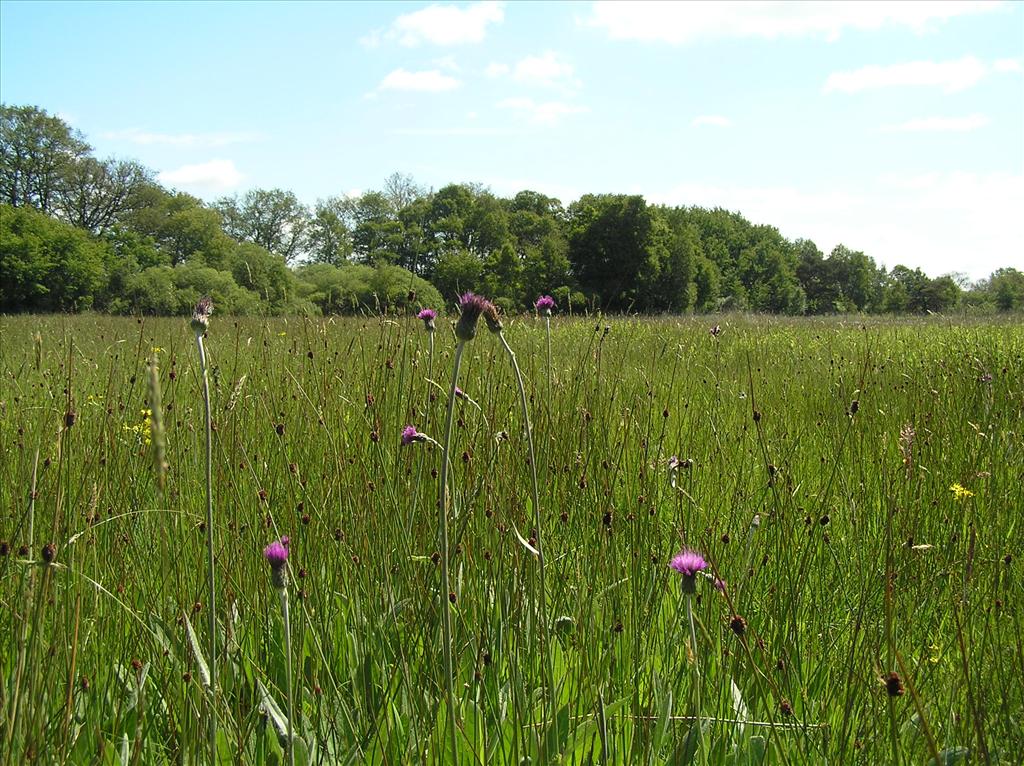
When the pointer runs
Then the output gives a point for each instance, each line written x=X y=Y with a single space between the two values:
x=960 y=492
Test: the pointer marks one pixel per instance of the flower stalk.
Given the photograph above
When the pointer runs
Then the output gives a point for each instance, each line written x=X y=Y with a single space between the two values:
x=200 y=324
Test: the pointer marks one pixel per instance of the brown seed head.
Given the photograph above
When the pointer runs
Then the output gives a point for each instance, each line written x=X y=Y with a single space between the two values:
x=893 y=684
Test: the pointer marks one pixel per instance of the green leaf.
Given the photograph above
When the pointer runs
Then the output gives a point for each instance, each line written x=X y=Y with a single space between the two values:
x=277 y=717
x=193 y=642
x=951 y=756
x=664 y=719
x=686 y=750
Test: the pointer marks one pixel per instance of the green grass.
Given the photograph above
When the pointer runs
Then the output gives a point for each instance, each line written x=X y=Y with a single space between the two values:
x=98 y=667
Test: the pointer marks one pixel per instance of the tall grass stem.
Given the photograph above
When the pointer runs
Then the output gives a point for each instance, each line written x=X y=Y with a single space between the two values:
x=442 y=511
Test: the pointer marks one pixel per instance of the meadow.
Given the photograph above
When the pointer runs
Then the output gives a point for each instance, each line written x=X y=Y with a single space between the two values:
x=854 y=486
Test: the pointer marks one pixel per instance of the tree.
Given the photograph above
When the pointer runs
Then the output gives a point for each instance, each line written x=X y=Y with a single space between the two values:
x=401 y=191
x=536 y=225
x=329 y=237
x=36 y=153
x=274 y=219
x=181 y=225
x=456 y=272
x=97 y=194
x=377 y=237
x=266 y=274
x=609 y=248
x=814 y=277
x=1007 y=287
x=46 y=265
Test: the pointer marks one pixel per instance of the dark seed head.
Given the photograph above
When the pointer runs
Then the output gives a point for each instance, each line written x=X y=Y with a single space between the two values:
x=738 y=625
x=786 y=708
x=49 y=553
x=893 y=684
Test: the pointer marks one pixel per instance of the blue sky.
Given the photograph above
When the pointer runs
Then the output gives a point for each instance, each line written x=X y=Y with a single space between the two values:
x=895 y=128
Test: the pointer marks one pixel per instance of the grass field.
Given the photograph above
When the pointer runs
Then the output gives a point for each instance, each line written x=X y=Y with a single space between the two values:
x=876 y=575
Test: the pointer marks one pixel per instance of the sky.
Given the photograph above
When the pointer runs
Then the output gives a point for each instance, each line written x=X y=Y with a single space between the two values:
x=893 y=128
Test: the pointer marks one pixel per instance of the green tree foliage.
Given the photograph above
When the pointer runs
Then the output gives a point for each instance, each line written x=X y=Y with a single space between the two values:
x=81 y=232
x=378 y=235
x=37 y=151
x=96 y=195
x=1006 y=287
x=352 y=288
x=329 y=236
x=610 y=247
x=182 y=226
x=273 y=219
x=265 y=274
x=46 y=265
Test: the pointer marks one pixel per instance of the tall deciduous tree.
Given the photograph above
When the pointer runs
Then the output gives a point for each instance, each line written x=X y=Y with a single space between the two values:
x=37 y=151
x=329 y=237
x=274 y=219
x=97 y=194
x=610 y=248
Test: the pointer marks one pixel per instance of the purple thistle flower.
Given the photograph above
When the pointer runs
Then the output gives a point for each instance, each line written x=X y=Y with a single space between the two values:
x=688 y=563
x=545 y=303
x=471 y=306
x=720 y=585
x=428 y=316
x=410 y=435
x=460 y=394
x=276 y=555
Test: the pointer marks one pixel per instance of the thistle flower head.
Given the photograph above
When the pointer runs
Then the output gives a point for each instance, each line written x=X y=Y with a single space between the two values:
x=428 y=316
x=715 y=331
x=201 y=315
x=493 y=319
x=471 y=306
x=276 y=555
x=410 y=435
x=688 y=563
x=545 y=304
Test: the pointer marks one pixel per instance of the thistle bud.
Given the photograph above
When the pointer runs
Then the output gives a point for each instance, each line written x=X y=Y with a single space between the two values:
x=201 y=316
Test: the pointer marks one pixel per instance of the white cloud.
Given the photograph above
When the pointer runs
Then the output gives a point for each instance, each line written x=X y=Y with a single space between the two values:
x=148 y=138
x=939 y=222
x=541 y=113
x=441 y=25
x=495 y=69
x=951 y=76
x=213 y=176
x=688 y=22
x=940 y=124
x=714 y=120
x=1007 y=65
x=447 y=62
x=462 y=131
x=546 y=69
x=428 y=81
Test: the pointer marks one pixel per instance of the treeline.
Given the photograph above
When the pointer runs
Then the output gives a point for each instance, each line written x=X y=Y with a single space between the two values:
x=82 y=233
